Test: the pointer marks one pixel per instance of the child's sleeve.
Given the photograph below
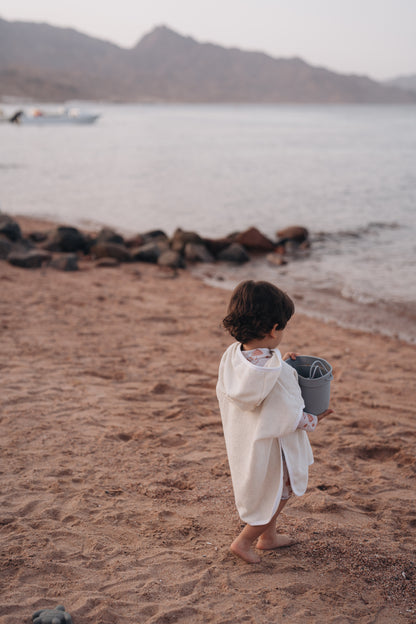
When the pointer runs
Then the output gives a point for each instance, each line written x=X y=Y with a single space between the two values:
x=308 y=422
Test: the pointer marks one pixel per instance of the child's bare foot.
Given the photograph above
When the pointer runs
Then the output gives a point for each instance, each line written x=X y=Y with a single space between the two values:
x=275 y=541
x=243 y=550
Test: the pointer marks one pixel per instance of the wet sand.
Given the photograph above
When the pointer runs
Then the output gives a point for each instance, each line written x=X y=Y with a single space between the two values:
x=116 y=499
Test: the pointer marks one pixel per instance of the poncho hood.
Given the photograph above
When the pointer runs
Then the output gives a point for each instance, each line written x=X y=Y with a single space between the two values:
x=243 y=382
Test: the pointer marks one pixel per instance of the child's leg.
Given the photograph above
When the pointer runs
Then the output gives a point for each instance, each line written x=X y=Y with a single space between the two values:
x=270 y=539
x=242 y=545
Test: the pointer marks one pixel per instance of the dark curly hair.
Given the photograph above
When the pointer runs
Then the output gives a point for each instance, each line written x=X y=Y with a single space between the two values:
x=255 y=308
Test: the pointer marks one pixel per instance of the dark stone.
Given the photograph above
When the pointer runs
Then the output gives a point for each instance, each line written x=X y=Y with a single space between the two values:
x=38 y=237
x=254 y=240
x=197 y=252
x=295 y=233
x=10 y=229
x=111 y=250
x=52 y=616
x=216 y=245
x=155 y=235
x=24 y=244
x=135 y=241
x=66 y=239
x=234 y=253
x=68 y=262
x=180 y=238
x=293 y=247
x=30 y=259
x=171 y=258
x=108 y=235
x=149 y=252
x=6 y=247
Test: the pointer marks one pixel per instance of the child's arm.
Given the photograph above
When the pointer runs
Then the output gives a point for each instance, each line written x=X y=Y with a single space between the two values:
x=291 y=354
x=308 y=422
x=324 y=414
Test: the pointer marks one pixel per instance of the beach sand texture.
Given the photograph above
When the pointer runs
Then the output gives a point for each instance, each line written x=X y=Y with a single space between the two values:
x=116 y=499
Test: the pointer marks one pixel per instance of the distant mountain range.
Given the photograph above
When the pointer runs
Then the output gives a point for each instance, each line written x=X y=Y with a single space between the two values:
x=408 y=83
x=48 y=63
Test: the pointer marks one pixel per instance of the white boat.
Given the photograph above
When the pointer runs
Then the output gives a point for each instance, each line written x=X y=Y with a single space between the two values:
x=42 y=118
x=3 y=117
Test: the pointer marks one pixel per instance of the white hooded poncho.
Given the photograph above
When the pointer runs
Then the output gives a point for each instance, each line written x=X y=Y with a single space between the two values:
x=260 y=410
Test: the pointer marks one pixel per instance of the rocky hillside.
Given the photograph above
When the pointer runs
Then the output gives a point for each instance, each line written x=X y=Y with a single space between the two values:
x=408 y=83
x=49 y=63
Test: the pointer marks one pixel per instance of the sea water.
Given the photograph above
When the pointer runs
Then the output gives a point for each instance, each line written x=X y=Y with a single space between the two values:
x=347 y=173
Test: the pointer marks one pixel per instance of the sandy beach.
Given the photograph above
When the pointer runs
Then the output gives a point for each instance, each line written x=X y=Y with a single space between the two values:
x=116 y=498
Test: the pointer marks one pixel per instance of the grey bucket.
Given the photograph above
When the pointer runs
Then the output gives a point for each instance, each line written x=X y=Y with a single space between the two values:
x=314 y=376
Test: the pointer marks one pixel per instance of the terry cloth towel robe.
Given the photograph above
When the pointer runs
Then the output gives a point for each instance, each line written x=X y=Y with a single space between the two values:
x=260 y=410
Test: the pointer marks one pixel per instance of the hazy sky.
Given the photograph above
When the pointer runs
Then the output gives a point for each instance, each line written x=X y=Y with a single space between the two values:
x=373 y=37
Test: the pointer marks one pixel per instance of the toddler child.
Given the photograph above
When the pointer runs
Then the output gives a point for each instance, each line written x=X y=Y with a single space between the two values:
x=262 y=415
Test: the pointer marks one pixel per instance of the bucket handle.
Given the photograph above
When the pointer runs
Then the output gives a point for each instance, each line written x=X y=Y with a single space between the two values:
x=316 y=366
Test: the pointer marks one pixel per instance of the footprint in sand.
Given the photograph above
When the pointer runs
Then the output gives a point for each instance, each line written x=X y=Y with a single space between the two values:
x=333 y=490
x=177 y=484
x=183 y=614
x=297 y=589
x=172 y=441
x=124 y=437
x=377 y=452
x=161 y=388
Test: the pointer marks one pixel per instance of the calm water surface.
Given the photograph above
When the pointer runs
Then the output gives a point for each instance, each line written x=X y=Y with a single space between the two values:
x=348 y=173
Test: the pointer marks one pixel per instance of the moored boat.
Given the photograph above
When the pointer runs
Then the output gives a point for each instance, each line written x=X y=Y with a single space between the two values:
x=39 y=117
x=3 y=117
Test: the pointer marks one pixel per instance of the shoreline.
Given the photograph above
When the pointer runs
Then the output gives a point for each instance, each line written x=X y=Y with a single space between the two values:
x=393 y=320
x=344 y=312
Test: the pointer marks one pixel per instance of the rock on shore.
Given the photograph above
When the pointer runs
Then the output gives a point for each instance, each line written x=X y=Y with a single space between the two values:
x=45 y=247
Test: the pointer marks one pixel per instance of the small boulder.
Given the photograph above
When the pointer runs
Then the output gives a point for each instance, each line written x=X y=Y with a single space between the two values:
x=111 y=250
x=65 y=262
x=180 y=239
x=149 y=252
x=29 y=259
x=234 y=253
x=172 y=259
x=6 y=246
x=295 y=233
x=155 y=235
x=108 y=235
x=65 y=239
x=254 y=240
x=135 y=241
x=10 y=228
x=38 y=237
x=197 y=252
x=216 y=245
x=24 y=244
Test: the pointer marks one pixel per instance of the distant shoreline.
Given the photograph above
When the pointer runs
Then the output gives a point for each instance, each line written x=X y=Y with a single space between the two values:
x=26 y=102
x=390 y=320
